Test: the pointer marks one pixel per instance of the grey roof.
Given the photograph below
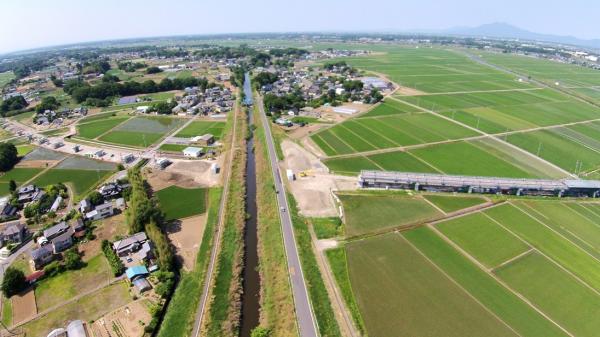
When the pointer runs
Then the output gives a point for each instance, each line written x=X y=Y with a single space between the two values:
x=137 y=237
x=103 y=206
x=13 y=227
x=591 y=184
x=63 y=237
x=41 y=252
x=56 y=229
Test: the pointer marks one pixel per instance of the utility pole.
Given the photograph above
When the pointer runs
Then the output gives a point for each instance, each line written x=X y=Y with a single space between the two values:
x=539 y=149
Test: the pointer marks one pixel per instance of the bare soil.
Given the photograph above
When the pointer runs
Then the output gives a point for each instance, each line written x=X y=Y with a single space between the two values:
x=186 y=236
x=314 y=191
x=24 y=306
x=126 y=320
x=37 y=163
x=184 y=173
x=406 y=91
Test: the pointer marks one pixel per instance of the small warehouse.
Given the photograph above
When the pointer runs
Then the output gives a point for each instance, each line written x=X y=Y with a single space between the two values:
x=192 y=152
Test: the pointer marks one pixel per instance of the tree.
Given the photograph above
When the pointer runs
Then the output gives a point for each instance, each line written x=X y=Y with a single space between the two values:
x=96 y=198
x=13 y=103
x=48 y=103
x=73 y=259
x=14 y=282
x=12 y=186
x=8 y=156
x=153 y=70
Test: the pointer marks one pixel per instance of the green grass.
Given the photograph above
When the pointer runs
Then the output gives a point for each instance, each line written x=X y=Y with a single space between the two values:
x=510 y=308
x=138 y=139
x=389 y=107
x=350 y=165
x=55 y=290
x=326 y=228
x=80 y=180
x=20 y=175
x=339 y=267
x=199 y=128
x=96 y=128
x=178 y=203
x=87 y=308
x=180 y=313
x=450 y=204
x=6 y=77
x=6 y=312
x=374 y=213
x=483 y=239
x=562 y=297
x=397 y=289
x=172 y=147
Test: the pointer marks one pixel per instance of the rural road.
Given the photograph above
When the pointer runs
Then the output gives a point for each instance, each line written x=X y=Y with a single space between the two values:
x=306 y=322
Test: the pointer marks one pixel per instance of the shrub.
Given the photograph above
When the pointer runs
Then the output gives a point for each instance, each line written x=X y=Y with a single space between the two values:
x=114 y=261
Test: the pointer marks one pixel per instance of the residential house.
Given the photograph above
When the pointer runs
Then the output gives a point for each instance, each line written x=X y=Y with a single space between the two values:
x=100 y=212
x=13 y=232
x=62 y=242
x=6 y=209
x=110 y=190
x=29 y=193
x=85 y=206
x=41 y=257
x=56 y=230
x=136 y=247
x=204 y=140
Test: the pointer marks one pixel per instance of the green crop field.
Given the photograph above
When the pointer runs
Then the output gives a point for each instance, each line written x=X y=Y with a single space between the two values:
x=547 y=251
x=178 y=203
x=199 y=128
x=140 y=131
x=172 y=147
x=80 y=180
x=449 y=203
x=19 y=174
x=400 y=293
x=6 y=77
x=560 y=147
x=383 y=212
x=93 y=129
x=368 y=134
x=389 y=107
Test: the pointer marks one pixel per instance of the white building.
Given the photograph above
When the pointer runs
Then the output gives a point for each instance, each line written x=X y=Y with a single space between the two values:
x=193 y=152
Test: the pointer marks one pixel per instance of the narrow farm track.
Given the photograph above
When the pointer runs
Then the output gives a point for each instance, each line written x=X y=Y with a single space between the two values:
x=474 y=92
x=208 y=281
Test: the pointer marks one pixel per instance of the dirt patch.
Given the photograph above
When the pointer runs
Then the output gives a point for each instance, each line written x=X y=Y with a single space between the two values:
x=184 y=173
x=186 y=236
x=313 y=185
x=36 y=163
x=406 y=91
x=23 y=306
x=127 y=321
x=304 y=131
x=107 y=229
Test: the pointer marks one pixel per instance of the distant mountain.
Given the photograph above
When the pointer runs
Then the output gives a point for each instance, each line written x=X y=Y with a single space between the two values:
x=504 y=30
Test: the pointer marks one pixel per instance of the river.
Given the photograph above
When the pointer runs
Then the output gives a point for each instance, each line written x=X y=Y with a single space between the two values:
x=251 y=277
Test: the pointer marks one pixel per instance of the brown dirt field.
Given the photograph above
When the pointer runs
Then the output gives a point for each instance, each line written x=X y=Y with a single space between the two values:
x=184 y=173
x=24 y=306
x=405 y=91
x=186 y=236
x=37 y=163
x=126 y=320
x=313 y=193
x=107 y=229
x=301 y=132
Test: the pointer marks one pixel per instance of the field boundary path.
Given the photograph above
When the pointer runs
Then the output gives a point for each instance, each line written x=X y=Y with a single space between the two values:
x=339 y=305
x=219 y=230
x=307 y=325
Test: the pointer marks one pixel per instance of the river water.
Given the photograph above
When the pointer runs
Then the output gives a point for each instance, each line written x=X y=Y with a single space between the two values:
x=251 y=278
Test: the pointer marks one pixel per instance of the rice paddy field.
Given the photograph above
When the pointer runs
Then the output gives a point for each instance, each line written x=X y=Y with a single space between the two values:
x=81 y=180
x=199 y=128
x=523 y=267
x=482 y=122
x=127 y=130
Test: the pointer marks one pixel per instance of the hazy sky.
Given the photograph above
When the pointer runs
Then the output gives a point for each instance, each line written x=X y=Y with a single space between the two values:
x=36 y=23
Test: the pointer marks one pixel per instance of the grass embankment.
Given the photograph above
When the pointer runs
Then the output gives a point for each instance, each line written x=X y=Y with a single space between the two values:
x=276 y=301
x=225 y=307
x=339 y=266
x=319 y=298
x=180 y=314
